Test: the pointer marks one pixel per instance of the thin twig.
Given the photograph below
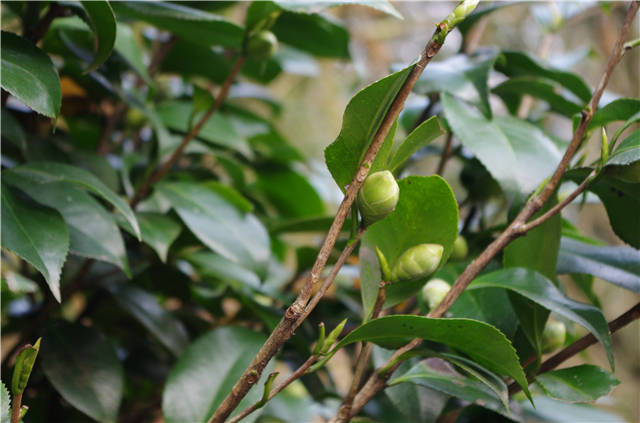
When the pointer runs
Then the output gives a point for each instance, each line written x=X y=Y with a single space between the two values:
x=55 y=11
x=16 y=406
x=446 y=153
x=300 y=371
x=378 y=381
x=164 y=168
x=581 y=344
x=292 y=317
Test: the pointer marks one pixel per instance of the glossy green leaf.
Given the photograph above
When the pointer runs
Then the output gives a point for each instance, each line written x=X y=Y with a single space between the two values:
x=318 y=6
x=145 y=308
x=92 y=230
x=545 y=240
x=420 y=137
x=437 y=374
x=12 y=130
x=426 y=212
x=549 y=410
x=28 y=74
x=219 y=129
x=219 y=224
x=516 y=64
x=5 y=404
x=516 y=153
x=45 y=172
x=157 y=230
x=361 y=120
x=38 y=235
x=463 y=75
x=621 y=199
x=192 y=24
x=291 y=193
x=216 y=266
x=582 y=383
x=515 y=88
x=480 y=341
x=539 y=289
x=618 y=265
x=313 y=33
x=83 y=367
x=206 y=372
x=627 y=152
x=129 y=48
x=620 y=109
x=477 y=14
x=103 y=23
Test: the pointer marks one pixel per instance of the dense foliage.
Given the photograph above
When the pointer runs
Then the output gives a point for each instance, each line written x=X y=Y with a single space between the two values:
x=157 y=225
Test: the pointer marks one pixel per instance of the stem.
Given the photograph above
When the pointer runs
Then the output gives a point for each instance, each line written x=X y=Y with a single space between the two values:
x=581 y=344
x=378 y=381
x=55 y=11
x=16 y=405
x=446 y=153
x=164 y=168
x=300 y=371
x=296 y=313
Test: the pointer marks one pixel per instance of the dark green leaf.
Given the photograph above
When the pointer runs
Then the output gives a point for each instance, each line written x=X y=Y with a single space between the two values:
x=129 y=48
x=219 y=129
x=437 y=374
x=621 y=199
x=219 y=224
x=426 y=212
x=145 y=308
x=12 y=130
x=461 y=75
x=518 y=87
x=313 y=34
x=103 y=23
x=482 y=342
x=216 y=266
x=290 y=193
x=515 y=64
x=192 y=24
x=318 y=6
x=38 y=235
x=536 y=287
x=45 y=172
x=621 y=109
x=158 y=231
x=83 y=367
x=362 y=118
x=628 y=151
x=549 y=410
x=477 y=14
x=92 y=230
x=582 y=383
x=618 y=265
x=426 y=132
x=29 y=74
x=205 y=373
x=516 y=153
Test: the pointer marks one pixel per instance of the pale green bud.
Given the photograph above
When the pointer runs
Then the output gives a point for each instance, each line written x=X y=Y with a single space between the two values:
x=553 y=335
x=378 y=196
x=417 y=262
x=434 y=292
x=262 y=45
x=460 y=248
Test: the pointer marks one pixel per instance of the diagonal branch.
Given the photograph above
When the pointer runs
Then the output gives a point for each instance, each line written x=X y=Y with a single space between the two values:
x=517 y=228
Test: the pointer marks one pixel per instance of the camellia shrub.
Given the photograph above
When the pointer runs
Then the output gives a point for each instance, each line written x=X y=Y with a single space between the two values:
x=167 y=255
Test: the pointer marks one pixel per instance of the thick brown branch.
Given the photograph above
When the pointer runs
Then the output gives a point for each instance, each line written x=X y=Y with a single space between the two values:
x=377 y=381
x=581 y=344
x=299 y=308
x=164 y=168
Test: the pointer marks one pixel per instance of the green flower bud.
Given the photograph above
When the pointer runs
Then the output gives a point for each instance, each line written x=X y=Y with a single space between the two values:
x=419 y=261
x=553 y=336
x=460 y=248
x=434 y=292
x=262 y=45
x=23 y=367
x=378 y=196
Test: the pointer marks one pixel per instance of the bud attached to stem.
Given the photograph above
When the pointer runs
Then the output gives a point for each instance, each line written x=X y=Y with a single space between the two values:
x=378 y=196
x=434 y=292
x=262 y=45
x=553 y=336
x=419 y=261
